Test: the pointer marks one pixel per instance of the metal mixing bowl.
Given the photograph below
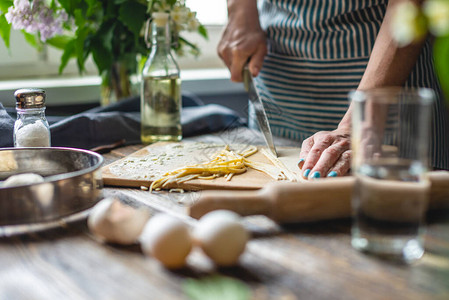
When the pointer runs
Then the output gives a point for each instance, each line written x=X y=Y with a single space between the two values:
x=72 y=183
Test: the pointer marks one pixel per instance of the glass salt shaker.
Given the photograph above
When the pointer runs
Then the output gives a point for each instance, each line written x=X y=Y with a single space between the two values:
x=31 y=128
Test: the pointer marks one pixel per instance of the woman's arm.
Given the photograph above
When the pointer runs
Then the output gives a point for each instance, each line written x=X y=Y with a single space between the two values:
x=328 y=153
x=243 y=39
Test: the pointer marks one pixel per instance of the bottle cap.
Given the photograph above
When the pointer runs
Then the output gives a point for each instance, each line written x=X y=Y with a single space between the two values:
x=160 y=18
x=30 y=98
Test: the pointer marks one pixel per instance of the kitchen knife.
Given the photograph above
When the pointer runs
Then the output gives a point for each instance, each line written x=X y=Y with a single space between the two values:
x=261 y=115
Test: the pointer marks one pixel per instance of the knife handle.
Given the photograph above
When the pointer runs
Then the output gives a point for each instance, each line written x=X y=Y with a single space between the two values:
x=246 y=77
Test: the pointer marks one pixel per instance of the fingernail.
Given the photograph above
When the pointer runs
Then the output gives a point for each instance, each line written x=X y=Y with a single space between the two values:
x=332 y=174
x=315 y=175
x=306 y=173
x=301 y=163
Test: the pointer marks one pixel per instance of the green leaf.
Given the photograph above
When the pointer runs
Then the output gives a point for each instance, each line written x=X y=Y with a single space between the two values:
x=150 y=5
x=216 y=288
x=110 y=10
x=441 y=56
x=82 y=46
x=5 y=4
x=105 y=34
x=70 y=5
x=81 y=52
x=52 y=4
x=101 y=47
x=132 y=15
x=102 y=58
x=60 y=41
x=32 y=40
x=67 y=55
x=92 y=7
x=5 y=30
x=203 y=31
x=171 y=2
x=141 y=64
x=80 y=21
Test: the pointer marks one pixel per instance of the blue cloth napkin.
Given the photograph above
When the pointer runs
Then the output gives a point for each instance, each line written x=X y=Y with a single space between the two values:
x=6 y=128
x=109 y=124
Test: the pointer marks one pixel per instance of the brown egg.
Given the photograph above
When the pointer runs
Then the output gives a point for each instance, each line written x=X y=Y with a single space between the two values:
x=221 y=236
x=112 y=221
x=22 y=179
x=167 y=239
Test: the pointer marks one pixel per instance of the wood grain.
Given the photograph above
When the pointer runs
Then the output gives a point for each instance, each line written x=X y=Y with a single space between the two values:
x=298 y=261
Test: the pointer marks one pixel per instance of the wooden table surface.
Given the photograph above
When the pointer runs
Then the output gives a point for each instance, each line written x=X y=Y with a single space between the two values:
x=302 y=261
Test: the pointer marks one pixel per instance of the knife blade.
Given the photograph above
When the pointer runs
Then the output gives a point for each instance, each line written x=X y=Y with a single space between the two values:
x=261 y=115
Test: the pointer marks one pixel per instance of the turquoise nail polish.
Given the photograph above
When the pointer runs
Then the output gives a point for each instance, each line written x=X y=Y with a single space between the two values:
x=301 y=162
x=316 y=175
x=332 y=174
x=306 y=173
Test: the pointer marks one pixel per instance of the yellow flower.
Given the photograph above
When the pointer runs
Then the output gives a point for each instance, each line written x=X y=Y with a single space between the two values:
x=193 y=25
x=409 y=24
x=437 y=12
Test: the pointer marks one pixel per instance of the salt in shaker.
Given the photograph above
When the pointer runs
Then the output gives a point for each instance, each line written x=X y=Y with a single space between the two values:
x=31 y=128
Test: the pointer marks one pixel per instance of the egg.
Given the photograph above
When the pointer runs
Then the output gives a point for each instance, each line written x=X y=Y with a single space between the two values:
x=221 y=236
x=22 y=179
x=167 y=239
x=114 y=222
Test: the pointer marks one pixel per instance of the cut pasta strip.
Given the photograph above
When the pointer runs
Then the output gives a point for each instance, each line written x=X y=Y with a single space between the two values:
x=270 y=170
x=229 y=176
x=278 y=163
x=225 y=163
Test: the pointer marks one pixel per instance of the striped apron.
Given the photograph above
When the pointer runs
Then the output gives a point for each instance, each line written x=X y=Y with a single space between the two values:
x=318 y=52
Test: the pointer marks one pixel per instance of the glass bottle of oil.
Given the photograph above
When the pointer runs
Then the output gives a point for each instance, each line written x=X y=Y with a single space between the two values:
x=160 y=103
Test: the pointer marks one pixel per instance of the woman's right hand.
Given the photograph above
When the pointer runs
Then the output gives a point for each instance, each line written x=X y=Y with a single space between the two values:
x=243 y=39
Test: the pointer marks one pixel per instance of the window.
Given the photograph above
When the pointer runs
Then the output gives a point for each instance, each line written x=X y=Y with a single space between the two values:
x=23 y=66
x=23 y=61
x=211 y=12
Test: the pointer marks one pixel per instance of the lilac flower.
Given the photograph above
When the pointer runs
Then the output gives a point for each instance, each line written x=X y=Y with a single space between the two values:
x=35 y=17
x=19 y=15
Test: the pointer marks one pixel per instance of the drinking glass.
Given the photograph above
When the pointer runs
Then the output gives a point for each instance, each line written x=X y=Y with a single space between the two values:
x=390 y=142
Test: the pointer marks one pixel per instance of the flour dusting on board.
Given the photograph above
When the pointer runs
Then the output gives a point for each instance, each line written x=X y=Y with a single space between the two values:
x=163 y=159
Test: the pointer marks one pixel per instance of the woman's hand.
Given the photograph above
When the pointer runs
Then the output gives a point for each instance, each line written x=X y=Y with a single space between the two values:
x=243 y=39
x=326 y=154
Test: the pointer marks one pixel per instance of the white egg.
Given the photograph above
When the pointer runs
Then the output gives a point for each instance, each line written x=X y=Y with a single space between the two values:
x=114 y=222
x=167 y=239
x=22 y=179
x=221 y=236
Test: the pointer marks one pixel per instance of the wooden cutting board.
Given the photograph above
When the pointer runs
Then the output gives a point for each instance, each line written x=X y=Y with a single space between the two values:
x=143 y=166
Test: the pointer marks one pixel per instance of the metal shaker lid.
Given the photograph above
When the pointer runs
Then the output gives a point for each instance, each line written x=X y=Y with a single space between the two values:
x=30 y=98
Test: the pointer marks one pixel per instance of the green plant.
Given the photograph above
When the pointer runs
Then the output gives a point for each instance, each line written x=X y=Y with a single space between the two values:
x=413 y=23
x=216 y=287
x=111 y=31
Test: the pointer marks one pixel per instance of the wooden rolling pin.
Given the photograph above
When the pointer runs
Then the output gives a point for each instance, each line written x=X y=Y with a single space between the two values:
x=289 y=202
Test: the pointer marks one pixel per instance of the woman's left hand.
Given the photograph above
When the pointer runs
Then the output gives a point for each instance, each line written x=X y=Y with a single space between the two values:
x=326 y=154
